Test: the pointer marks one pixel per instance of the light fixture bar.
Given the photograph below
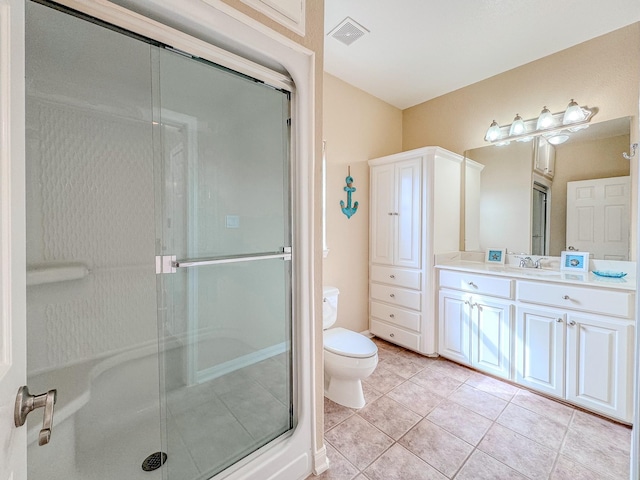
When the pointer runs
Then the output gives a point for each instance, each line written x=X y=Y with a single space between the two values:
x=531 y=129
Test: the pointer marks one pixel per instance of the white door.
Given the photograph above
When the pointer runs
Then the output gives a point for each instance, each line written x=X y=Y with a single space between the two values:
x=598 y=214
x=13 y=450
x=540 y=350
x=491 y=336
x=454 y=331
x=382 y=214
x=598 y=360
x=407 y=238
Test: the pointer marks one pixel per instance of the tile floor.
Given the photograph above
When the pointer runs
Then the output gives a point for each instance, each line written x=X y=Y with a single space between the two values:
x=430 y=419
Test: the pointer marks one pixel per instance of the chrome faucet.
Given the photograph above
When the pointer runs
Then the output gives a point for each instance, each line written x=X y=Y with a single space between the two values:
x=537 y=263
x=526 y=262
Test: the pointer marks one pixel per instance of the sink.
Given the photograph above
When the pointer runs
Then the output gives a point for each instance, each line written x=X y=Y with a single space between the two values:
x=534 y=272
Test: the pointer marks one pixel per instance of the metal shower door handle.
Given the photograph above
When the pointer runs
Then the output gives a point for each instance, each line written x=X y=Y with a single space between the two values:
x=26 y=403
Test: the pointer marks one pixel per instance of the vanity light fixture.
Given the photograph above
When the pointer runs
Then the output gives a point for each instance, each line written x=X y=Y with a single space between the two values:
x=517 y=127
x=558 y=139
x=556 y=127
x=545 y=120
x=573 y=113
x=493 y=133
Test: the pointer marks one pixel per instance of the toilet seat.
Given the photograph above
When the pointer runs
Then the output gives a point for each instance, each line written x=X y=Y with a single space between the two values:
x=348 y=344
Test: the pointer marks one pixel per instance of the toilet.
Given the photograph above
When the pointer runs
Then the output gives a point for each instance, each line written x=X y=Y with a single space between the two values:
x=349 y=357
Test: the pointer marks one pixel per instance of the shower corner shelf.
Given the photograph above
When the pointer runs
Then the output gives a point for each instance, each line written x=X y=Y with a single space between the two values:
x=56 y=272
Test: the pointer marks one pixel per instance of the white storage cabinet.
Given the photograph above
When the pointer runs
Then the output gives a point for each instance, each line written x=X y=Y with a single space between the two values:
x=414 y=214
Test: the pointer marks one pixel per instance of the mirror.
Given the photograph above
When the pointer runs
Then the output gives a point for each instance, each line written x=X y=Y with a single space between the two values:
x=516 y=195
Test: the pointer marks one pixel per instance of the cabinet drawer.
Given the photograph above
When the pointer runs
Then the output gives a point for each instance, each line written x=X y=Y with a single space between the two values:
x=469 y=282
x=595 y=300
x=400 y=277
x=396 y=296
x=394 y=334
x=395 y=315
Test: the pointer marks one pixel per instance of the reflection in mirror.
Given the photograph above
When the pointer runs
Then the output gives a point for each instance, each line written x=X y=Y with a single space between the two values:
x=516 y=195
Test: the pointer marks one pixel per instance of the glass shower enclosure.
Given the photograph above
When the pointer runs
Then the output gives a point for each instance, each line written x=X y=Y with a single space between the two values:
x=159 y=255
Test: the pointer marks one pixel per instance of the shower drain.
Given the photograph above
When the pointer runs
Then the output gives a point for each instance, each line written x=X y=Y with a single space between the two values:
x=154 y=461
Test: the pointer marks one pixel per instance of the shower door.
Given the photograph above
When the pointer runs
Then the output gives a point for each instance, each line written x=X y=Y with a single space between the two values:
x=225 y=257
x=158 y=255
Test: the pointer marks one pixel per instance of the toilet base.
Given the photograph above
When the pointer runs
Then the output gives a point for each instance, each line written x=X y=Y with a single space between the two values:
x=345 y=392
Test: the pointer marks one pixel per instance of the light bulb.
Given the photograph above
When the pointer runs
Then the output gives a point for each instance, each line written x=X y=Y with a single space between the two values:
x=545 y=120
x=517 y=127
x=558 y=139
x=573 y=113
x=493 y=133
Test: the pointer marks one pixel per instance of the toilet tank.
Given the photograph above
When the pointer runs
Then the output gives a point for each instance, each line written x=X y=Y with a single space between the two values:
x=329 y=306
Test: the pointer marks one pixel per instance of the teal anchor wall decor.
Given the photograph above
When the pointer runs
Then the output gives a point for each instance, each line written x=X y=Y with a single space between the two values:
x=349 y=210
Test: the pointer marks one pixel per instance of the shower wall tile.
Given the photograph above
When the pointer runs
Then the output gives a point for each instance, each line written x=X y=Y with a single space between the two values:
x=91 y=200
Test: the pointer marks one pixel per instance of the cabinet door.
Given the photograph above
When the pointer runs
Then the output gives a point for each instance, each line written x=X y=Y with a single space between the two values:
x=491 y=336
x=383 y=204
x=454 y=331
x=540 y=349
x=408 y=209
x=599 y=359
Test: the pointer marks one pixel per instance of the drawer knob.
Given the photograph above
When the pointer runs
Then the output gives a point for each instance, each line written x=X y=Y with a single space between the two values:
x=559 y=320
x=392 y=334
x=471 y=284
x=391 y=315
x=572 y=323
x=392 y=276
x=565 y=297
x=392 y=295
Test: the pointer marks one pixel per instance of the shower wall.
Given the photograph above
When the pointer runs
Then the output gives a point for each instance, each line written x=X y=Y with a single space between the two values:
x=90 y=201
x=90 y=190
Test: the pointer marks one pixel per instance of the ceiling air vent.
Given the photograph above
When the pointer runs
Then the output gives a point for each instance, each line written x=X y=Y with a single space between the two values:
x=348 y=31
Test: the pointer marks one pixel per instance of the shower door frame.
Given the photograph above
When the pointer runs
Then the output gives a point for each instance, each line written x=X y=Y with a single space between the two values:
x=290 y=457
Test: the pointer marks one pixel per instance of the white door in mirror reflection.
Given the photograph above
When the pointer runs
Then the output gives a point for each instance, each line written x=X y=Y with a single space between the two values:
x=598 y=217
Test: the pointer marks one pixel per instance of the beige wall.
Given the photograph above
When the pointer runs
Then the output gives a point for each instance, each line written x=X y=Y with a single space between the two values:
x=357 y=127
x=600 y=158
x=603 y=72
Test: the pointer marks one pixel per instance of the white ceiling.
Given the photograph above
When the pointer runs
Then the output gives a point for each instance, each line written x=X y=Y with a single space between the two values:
x=420 y=49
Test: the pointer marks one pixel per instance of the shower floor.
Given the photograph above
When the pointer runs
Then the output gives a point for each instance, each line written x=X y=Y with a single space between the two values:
x=209 y=426
x=214 y=424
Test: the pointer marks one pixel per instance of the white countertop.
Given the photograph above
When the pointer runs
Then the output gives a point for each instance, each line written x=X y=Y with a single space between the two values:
x=547 y=275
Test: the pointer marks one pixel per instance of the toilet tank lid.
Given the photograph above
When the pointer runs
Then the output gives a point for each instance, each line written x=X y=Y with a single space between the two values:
x=348 y=343
x=328 y=290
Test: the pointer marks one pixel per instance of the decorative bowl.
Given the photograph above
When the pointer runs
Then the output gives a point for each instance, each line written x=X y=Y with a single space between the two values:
x=609 y=273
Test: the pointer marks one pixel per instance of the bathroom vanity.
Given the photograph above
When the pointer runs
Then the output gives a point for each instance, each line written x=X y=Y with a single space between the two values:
x=566 y=335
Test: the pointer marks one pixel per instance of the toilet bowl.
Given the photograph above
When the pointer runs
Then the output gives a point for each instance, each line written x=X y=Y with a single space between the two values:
x=349 y=357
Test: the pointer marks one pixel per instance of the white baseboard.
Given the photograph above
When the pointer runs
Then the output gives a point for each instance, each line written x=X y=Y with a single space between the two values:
x=367 y=333
x=320 y=461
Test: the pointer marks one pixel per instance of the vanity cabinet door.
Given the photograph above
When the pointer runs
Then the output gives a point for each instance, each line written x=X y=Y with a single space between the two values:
x=491 y=336
x=454 y=335
x=599 y=364
x=540 y=349
x=544 y=158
